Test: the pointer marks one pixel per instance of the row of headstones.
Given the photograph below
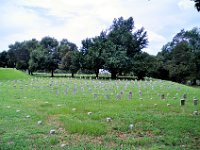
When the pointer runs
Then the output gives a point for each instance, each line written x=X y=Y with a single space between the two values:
x=182 y=101
x=118 y=95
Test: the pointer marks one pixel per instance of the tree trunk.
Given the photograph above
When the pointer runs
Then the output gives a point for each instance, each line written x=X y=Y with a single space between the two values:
x=113 y=75
x=120 y=73
x=72 y=75
x=97 y=73
x=52 y=75
x=194 y=82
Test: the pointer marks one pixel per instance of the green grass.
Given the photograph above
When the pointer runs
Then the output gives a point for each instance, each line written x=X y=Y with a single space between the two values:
x=63 y=104
x=12 y=74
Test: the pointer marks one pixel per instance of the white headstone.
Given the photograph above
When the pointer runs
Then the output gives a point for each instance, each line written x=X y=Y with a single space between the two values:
x=89 y=113
x=131 y=126
x=52 y=131
x=39 y=122
x=108 y=119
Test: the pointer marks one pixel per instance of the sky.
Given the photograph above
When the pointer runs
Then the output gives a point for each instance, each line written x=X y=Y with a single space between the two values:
x=76 y=20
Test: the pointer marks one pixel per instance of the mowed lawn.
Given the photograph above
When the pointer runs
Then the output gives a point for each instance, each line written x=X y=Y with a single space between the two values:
x=96 y=114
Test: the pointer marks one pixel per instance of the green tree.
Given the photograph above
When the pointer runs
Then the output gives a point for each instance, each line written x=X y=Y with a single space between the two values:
x=3 y=59
x=86 y=44
x=116 y=59
x=121 y=46
x=94 y=59
x=19 y=54
x=31 y=45
x=37 y=60
x=145 y=65
x=51 y=55
x=66 y=46
x=70 y=62
x=180 y=65
x=12 y=54
x=181 y=56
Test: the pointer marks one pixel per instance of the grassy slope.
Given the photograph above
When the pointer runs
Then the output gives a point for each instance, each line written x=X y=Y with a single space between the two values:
x=12 y=74
x=53 y=101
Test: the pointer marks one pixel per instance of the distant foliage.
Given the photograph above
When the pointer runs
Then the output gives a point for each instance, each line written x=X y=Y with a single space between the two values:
x=181 y=57
x=118 y=50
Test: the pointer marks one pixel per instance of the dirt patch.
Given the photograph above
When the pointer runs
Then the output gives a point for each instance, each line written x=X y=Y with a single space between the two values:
x=122 y=136
x=54 y=120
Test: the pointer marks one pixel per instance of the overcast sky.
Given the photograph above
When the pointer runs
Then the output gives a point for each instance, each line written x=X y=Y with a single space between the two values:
x=78 y=19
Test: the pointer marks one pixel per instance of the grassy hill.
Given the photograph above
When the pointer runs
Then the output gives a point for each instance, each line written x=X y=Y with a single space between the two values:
x=12 y=74
x=97 y=114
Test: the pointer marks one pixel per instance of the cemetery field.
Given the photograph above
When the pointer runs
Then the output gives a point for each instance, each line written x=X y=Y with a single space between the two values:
x=65 y=113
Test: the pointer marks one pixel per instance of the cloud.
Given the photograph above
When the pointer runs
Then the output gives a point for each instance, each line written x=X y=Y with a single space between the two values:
x=186 y=4
x=77 y=20
x=156 y=42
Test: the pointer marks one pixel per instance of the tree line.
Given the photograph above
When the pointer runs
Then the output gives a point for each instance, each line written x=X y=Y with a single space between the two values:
x=117 y=50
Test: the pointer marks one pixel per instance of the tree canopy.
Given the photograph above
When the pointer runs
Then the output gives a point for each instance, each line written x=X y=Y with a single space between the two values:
x=181 y=56
x=118 y=50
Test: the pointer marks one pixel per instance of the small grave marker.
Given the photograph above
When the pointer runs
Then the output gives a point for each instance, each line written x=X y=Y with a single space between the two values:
x=57 y=92
x=182 y=102
x=75 y=90
x=89 y=113
x=95 y=96
x=130 y=95
x=195 y=101
x=62 y=145
x=108 y=119
x=107 y=96
x=28 y=116
x=39 y=122
x=195 y=113
x=162 y=96
x=140 y=93
x=131 y=126
x=52 y=131
x=184 y=96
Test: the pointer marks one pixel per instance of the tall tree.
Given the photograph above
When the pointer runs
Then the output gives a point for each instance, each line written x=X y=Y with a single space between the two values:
x=122 y=45
x=145 y=65
x=180 y=65
x=68 y=53
x=3 y=59
x=70 y=62
x=66 y=46
x=37 y=60
x=50 y=49
x=12 y=54
x=94 y=59
x=86 y=44
x=31 y=45
x=181 y=56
